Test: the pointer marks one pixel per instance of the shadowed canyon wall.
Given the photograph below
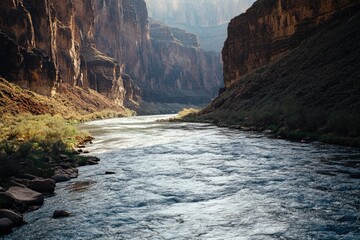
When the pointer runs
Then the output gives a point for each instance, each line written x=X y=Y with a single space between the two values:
x=270 y=28
x=292 y=67
x=179 y=64
x=52 y=42
x=104 y=45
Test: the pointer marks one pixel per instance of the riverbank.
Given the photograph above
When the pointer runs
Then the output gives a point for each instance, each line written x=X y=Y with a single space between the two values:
x=332 y=128
x=36 y=152
x=198 y=181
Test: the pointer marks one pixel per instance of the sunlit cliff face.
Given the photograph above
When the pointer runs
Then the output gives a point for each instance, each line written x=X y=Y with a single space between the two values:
x=198 y=13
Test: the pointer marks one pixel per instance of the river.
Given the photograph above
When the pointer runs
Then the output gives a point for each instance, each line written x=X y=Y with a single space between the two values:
x=199 y=181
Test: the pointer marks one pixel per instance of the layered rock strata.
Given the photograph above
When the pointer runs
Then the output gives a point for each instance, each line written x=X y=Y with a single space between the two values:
x=94 y=45
x=47 y=42
x=271 y=28
x=181 y=69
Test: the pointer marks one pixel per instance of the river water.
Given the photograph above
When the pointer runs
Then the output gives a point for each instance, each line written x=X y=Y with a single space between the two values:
x=199 y=181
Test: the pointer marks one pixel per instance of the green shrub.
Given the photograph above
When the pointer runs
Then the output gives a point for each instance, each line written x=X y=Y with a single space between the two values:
x=26 y=139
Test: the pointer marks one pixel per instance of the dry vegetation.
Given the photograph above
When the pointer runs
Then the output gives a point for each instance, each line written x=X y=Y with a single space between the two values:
x=28 y=142
x=70 y=102
x=35 y=129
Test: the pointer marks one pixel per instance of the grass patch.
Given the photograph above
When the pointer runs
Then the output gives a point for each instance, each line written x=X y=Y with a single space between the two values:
x=104 y=114
x=186 y=114
x=31 y=144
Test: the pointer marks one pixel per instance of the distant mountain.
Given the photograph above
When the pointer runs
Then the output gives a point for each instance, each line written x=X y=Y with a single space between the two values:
x=207 y=19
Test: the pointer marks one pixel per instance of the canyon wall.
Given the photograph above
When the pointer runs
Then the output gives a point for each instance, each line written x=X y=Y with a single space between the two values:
x=292 y=68
x=272 y=27
x=181 y=70
x=48 y=42
x=169 y=70
x=104 y=45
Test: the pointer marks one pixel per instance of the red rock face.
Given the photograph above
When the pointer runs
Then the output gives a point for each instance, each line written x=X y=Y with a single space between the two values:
x=48 y=42
x=270 y=28
x=94 y=44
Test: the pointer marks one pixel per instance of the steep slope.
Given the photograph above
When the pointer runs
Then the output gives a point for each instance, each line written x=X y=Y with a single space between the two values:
x=46 y=43
x=181 y=71
x=164 y=72
x=272 y=27
x=104 y=46
x=310 y=89
x=71 y=103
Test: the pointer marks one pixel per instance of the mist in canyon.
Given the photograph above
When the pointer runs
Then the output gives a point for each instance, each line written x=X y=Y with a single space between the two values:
x=208 y=19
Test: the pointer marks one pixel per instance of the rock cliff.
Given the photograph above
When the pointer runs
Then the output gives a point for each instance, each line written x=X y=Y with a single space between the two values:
x=182 y=71
x=104 y=45
x=272 y=27
x=292 y=68
x=48 y=43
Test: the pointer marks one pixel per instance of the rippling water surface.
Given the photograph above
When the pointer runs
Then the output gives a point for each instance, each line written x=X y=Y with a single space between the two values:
x=198 y=181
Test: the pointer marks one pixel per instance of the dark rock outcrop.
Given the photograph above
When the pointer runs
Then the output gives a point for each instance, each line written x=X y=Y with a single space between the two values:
x=293 y=67
x=60 y=214
x=15 y=217
x=25 y=196
x=270 y=28
x=6 y=226
x=45 y=186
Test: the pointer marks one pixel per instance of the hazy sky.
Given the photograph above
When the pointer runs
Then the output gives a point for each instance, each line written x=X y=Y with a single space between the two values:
x=197 y=12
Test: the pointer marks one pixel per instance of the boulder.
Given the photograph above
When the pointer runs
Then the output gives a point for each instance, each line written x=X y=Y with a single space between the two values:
x=25 y=196
x=28 y=176
x=91 y=160
x=63 y=156
x=60 y=178
x=73 y=175
x=88 y=139
x=46 y=186
x=6 y=200
x=15 y=217
x=60 y=214
x=6 y=225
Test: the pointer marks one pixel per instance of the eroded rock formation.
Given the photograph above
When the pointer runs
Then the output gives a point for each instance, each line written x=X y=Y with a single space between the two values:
x=46 y=43
x=272 y=27
x=105 y=46
x=183 y=71
x=292 y=68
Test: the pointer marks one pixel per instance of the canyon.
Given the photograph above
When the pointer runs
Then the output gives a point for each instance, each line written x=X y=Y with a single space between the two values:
x=105 y=46
x=292 y=68
x=208 y=19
